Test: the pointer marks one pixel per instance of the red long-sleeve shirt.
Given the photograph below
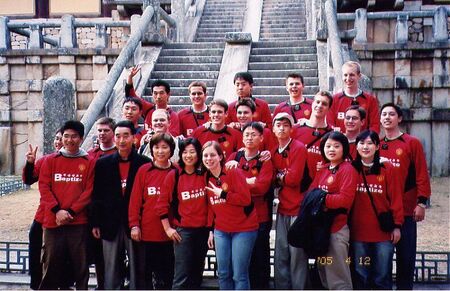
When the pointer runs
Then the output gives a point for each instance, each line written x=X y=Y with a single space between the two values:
x=228 y=213
x=309 y=137
x=262 y=184
x=406 y=153
x=297 y=111
x=262 y=112
x=97 y=153
x=190 y=120
x=144 y=195
x=192 y=200
x=340 y=184
x=30 y=175
x=387 y=195
x=66 y=183
x=292 y=162
x=341 y=102
x=230 y=139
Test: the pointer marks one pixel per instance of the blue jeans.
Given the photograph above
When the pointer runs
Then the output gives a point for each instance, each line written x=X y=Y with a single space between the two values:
x=406 y=254
x=373 y=264
x=233 y=252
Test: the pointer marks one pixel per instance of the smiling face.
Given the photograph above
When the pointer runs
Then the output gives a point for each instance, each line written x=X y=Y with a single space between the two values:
x=389 y=118
x=198 y=97
x=352 y=121
x=160 y=96
x=244 y=114
x=367 y=149
x=217 y=115
x=131 y=112
x=294 y=87
x=350 y=77
x=189 y=156
x=160 y=121
x=161 y=152
x=252 y=138
x=320 y=106
x=123 y=138
x=211 y=159
x=71 y=141
x=334 y=151
x=57 y=142
x=243 y=88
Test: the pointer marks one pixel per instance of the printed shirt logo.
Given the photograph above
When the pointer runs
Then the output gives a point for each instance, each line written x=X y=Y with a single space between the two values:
x=225 y=187
x=380 y=178
x=68 y=177
x=398 y=152
x=123 y=182
x=341 y=115
x=306 y=112
x=81 y=167
x=315 y=150
x=226 y=144
x=394 y=162
x=193 y=194
x=189 y=131
x=330 y=180
x=254 y=171
x=151 y=191
x=373 y=188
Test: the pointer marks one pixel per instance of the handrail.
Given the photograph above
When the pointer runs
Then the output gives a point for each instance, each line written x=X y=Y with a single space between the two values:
x=77 y=23
x=166 y=17
x=46 y=39
x=389 y=15
x=335 y=44
x=104 y=94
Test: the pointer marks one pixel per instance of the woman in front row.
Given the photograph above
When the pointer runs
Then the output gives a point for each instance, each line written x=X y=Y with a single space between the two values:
x=338 y=178
x=378 y=191
x=235 y=221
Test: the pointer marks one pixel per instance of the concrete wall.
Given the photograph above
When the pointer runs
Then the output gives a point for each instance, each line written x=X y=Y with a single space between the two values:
x=22 y=75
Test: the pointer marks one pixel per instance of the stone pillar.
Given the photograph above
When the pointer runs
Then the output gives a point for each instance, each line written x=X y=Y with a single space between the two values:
x=6 y=161
x=5 y=37
x=361 y=25
x=59 y=106
x=401 y=29
x=36 y=38
x=402 y=78
x=68 y=34
x=101 y=39
x=440 y=32
x=179 y=14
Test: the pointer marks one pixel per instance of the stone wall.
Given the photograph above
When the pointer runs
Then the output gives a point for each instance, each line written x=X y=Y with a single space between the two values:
x=22 y=75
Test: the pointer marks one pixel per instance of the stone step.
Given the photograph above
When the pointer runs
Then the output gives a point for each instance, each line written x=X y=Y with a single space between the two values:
x=282 y=73
x=309 y=81
x=194 y=45
x=262 y=38
x=190 y=59
x=201 y=34
x=179 y=91
x=282 y=35
x=216 y=29
x=219 y=21
x=187 y=67
x=218 y=25
x=278 y=44
x=277 y=99
x=191 y=52
x=209 y=39
x=210 y=83
x=282 y=65
x=283 y=50
x=265 y=22
x=197 y=75
x=288 y=24
x=272 y=90
x=283 y=58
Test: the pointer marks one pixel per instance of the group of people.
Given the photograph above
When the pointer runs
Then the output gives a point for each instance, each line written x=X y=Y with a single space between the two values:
x=146 y=203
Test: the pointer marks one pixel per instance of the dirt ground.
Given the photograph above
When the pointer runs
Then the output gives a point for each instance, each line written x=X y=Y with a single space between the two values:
x=17 y=211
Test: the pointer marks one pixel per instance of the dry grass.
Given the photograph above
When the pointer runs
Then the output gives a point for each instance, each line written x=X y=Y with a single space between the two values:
x=17 y=212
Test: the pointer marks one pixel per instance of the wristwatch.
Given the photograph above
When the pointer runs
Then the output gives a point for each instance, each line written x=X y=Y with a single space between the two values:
x=421 y=205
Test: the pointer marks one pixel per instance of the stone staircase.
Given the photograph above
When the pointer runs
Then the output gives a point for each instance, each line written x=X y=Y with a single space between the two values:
x=219 y=17
x=181 y=63
x=283 y=20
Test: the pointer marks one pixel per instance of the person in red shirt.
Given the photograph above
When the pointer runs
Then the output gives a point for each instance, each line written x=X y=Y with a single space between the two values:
x=157 y=260
x=355 y=117
x=65 y=184
x=244 y=112
x=378 y=191
x=229 y=138
x=233 y=216
x=353 y=95
x=197 y=114
x=339 y=179
x=405 y=152
x=297 y=106
x=183 y=197
x=30 y=175
x=105 y=137
x=258 y=176
x=289 y=161
x=132 y=110
x=243 y=82
x=312 y=130
x=161 y=94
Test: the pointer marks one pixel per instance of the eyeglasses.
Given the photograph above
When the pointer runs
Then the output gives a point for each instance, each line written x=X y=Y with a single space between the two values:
x=251 y=135
x=354 y=118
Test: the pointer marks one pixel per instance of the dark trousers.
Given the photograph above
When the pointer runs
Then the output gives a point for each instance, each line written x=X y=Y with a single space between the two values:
x=59 y=243
x=259 y=270
x=34 y=254
x=190 y=256
x=156 y=264
x=95 y=256
x=406 y=254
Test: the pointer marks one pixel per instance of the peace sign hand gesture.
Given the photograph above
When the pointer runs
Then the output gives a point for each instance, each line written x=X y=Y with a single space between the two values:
x=31 y=154
x=214 y=189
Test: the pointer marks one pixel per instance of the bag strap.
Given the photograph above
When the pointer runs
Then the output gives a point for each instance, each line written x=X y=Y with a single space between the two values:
x=368 y=193
x=327 y=130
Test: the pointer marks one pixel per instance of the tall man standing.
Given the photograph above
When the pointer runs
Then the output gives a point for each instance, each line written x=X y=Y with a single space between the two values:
x=114 y=177
x=197 y=114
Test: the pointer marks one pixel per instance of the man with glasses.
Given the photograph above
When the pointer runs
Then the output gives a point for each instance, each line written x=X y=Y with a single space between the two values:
x=353 y=95
x=355 y=117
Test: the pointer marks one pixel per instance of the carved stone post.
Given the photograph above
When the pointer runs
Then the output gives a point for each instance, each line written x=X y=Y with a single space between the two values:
x=68 y=34
x=5 y=37
x=440 y=32
x=361 y=25
x=101 y=38
x=401 y=29
x=36 y=39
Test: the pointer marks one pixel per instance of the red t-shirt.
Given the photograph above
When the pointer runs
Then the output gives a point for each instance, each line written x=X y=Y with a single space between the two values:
x=297 y=111
x=190 y=120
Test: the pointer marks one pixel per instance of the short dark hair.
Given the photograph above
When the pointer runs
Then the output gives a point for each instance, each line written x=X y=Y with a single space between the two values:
x=59 y=130
x=254 y=124
x=74 y=125
x=158 y=83
x=357 y=163
x=216 y=146
x=326 y=94
x=246 y=102
x=134 y=100
x=361 y=111
x=395 y=106
x=197 y=84
x=244 y=75
x=107 y=121
x=337 y=136
x=127 y=124
x=295 y=76
x=218 y=102
x=165 y=137
x=198 y=149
